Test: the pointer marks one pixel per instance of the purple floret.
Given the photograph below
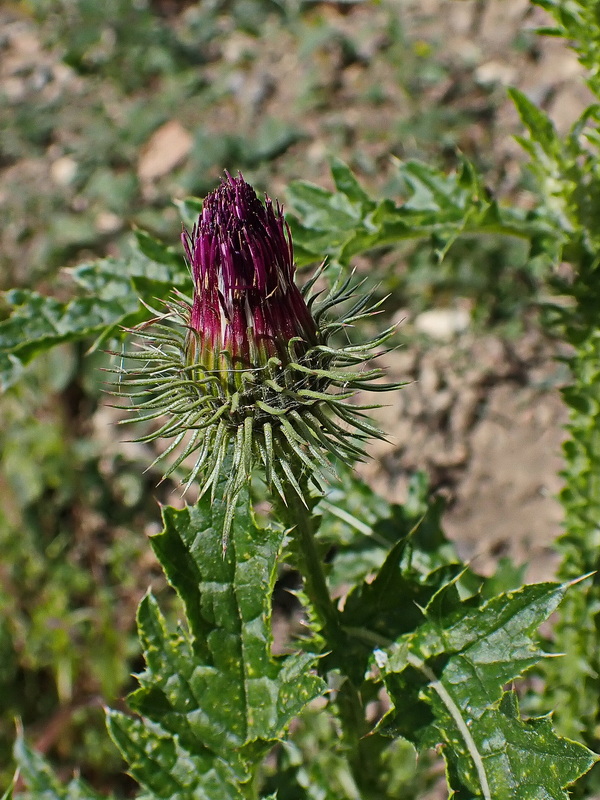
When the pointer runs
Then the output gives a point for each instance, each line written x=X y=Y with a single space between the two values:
x=246 y=303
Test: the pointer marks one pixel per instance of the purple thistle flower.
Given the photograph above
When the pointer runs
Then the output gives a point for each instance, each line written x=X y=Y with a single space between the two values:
x=246 y=306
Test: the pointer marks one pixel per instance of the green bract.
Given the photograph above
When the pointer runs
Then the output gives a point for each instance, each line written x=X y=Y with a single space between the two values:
x=245 y=372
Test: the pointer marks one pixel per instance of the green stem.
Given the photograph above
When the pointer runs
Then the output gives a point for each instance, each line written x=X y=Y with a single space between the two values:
x=311 y=568
x=337 y=640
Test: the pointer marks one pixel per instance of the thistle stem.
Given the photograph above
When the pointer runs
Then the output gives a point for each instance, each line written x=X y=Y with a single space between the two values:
x=311 y=568
x=349 y=702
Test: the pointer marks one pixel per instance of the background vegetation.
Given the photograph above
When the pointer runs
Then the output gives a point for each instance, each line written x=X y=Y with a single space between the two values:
x=111 y=112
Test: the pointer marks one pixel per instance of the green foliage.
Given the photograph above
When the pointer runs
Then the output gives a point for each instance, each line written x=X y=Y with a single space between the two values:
x=455 y=647
x=363 y=527
x=111 y=293
x=213 y=701
x=216 y=715
x=577 y=21
x=72 y=568
x=446 y=682
x=313 y=763
x=445 y=216
x=212 y=696
x=567 y=174
x=42 y=782
x=435 y=206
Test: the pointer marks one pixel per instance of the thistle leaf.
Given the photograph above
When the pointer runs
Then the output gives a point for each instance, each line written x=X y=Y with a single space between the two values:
x=346 y=222
x=539 y=125
x=165 y=768
x=212 y=698
x=109 y=297
x=524 y=759
x=42 y=783
x=447 y=680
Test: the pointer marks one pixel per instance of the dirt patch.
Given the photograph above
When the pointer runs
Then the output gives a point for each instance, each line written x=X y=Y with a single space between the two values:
x=483 y=417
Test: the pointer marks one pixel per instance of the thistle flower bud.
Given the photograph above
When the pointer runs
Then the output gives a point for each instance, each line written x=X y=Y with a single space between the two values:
x=246 y=306
x=244 y=372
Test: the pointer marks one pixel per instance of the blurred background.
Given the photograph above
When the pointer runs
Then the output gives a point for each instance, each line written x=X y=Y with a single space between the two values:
x=111 y=111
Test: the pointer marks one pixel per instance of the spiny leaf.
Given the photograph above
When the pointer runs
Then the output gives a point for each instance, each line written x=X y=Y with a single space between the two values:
x=111 y=290
x=346 y=222
x=346 y=183
x=157 y=251
x=524 y=759
x=538 y=124
x=391 y=604
x=40 y=780
x=446 y=681
x=38 y=322
x=214 y=691
x=403 y=547
x=168 y=770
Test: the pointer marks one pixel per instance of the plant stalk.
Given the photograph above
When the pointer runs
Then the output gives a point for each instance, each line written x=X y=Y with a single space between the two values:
x=309 y=562
x=298 y=516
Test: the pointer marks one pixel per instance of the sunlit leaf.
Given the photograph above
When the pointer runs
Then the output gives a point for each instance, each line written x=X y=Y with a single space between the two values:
x=446 y=680
x=212 y=692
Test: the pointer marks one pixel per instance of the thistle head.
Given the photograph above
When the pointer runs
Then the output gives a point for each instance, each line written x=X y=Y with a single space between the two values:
x=242 y=373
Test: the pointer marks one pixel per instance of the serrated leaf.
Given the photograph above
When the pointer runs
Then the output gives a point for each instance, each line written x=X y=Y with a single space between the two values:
x=524 y=759
x=11 y=370
x=42 y=783
x=389 y=605
x=395 y=555
x=346 y=183
x=446 y=680
x=190 y=209
x=39 y=322
x=345 y=223
x=479 y=649
x=157 y=251
x=539 y=125
x=113 y=290
x=167 y=769
x=215 y=689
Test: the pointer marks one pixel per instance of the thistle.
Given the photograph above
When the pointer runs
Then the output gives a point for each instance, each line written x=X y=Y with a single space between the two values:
x=243 y=373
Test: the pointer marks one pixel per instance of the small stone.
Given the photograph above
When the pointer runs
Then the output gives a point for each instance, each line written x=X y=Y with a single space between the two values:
x=14 y=89
x=496 y=72
x=442 y=401
x=401 y=363
x=464 y=413
x=456 y=456
x=429 y=379
x=443 y=324
x=107 y=222
x=166 y=149
x=63 y=170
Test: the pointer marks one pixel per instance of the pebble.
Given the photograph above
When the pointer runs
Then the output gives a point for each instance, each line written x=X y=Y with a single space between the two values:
x=443 y=324
x=63 y=170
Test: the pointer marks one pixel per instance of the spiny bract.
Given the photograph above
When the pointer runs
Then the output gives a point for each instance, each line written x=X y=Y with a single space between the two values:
x=244 y=373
